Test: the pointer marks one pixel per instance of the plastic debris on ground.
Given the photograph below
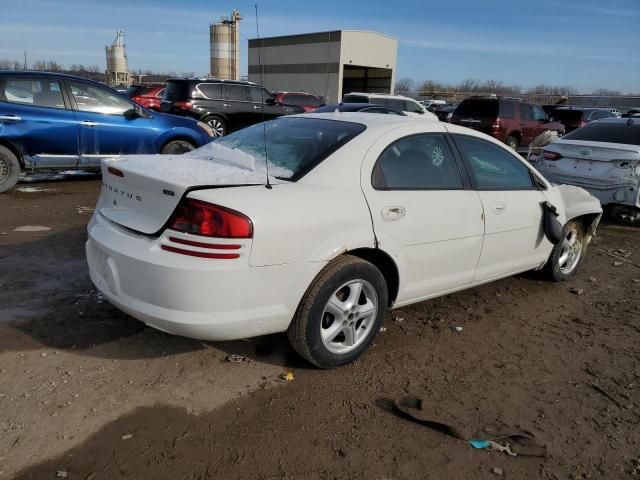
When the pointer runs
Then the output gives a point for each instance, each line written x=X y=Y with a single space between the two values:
x=287 y=376
x=126 y=436
x=235 y=358
x=32 y=228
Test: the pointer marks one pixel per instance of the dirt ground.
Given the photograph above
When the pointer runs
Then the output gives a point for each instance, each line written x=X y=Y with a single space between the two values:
x=89 y=393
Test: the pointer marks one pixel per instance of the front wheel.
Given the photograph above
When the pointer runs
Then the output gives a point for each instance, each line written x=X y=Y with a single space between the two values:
x=340 y=314
x=567 y=255
x=9 y=169
x=177 y=147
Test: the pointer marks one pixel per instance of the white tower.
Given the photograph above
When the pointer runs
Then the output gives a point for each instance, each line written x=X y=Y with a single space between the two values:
x=224 y=39
x=117 y=70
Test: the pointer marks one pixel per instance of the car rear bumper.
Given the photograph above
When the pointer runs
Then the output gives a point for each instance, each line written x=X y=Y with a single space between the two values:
x=620 y=191
x=208 y=299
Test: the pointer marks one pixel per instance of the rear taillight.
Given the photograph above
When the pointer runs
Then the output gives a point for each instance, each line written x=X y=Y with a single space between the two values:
x=582 y=123
x=497 y=126
x=183 y=105
x=549 y=155
x=201 y=218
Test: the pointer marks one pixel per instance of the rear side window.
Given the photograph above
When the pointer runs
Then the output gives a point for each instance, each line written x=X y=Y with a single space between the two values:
x=238 y=93
x=418 y=162
x=395 y=103
x=32 y=91
x=477 y=108
x=492 y=167
x=507 y=110
x=618 y=132
x=177 y=90
x=386 y=111
x=213 y=91
x=356 y=99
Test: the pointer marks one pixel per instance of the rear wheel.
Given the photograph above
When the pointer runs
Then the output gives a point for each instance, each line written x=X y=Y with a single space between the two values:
x=512 y=143
x=567 y=255
x=218 y=125
x=340 y=314
x=9 y=169
x=178 y=147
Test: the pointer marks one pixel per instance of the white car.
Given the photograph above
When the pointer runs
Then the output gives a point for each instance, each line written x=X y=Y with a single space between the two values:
x=361 y=213
x=405 y=104
x=602 y=157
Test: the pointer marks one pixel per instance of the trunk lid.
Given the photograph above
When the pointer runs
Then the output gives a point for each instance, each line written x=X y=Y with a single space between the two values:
x=151 y=186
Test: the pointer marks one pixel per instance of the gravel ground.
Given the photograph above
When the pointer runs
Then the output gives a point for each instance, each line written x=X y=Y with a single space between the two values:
x=89 y=393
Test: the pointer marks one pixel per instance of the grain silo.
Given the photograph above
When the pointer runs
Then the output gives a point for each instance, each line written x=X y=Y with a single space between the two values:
x=117 y=70
x=224 y=39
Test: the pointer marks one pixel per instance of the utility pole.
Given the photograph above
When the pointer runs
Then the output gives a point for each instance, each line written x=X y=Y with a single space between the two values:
x=26 y=67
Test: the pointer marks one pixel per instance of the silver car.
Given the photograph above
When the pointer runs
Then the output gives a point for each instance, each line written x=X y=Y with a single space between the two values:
x=602 y=157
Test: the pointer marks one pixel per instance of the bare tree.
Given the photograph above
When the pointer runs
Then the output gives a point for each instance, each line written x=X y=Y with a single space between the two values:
x=6 y=64
x=405 y=84
x=40 y=65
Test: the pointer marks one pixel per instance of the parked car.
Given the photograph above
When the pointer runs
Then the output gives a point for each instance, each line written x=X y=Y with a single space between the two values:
x=405 y=104
x=509 y=120
x=576 y=117
x=225 y=105
x=360 y=107
x=55 y=121
x=149 y=96
x=364 y=212
x=445 y=112
x=602 y=157
x=302 y=99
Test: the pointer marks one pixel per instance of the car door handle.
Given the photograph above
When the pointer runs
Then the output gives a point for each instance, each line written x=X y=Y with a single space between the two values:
x=10 y=118
x=226 y=105
x=499 y=207
x=393 y=213
x=257 y=107
x=88 y=123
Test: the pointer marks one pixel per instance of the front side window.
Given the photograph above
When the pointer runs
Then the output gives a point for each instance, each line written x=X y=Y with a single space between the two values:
x=32 y=91
x=526 y=112
x=539 y=114
x=96 y=99
x=418 y=162
x=260 y=95
x=492 y=167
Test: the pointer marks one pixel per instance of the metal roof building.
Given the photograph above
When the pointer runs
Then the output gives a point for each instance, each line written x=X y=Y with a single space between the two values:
x=327 y=64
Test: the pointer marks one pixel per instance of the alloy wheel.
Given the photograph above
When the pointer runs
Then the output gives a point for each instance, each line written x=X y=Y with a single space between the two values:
x=4 y=169
x=570 y=252
x=217 y=126
x=348 y=316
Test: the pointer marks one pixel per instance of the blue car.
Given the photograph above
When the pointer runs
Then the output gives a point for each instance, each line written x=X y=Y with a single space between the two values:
x=55 y=121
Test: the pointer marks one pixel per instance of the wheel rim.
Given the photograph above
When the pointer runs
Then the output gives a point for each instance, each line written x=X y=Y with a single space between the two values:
x=217 y=126
x=4 y=169
x=349 y=316
x=513 y=145
x=570 y=252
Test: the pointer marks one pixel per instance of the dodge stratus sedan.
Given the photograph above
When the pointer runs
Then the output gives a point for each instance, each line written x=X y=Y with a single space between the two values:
x=319 y=230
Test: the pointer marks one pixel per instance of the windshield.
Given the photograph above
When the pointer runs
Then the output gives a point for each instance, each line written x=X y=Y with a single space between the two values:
x=294 y=146
x=610 y=132
x=572 y=116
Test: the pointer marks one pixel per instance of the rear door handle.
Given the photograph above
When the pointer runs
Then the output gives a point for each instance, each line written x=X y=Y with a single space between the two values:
x=10 y=118
x=393 y=213
x=499 y=207
x=226 y=105
x=257 y=107
x=88 y=123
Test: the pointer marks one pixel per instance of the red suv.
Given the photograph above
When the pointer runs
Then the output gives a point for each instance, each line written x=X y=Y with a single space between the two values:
x=147 y=95
x=302 y=99
x=509 y=120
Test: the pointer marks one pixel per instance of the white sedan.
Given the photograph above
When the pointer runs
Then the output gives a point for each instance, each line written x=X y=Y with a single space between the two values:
x=360 y=213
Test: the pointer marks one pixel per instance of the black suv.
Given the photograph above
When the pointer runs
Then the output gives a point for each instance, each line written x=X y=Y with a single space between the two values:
x=225 y=105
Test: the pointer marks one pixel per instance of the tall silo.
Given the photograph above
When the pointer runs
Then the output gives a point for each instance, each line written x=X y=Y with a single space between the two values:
x=117 y=70
x=224 y=38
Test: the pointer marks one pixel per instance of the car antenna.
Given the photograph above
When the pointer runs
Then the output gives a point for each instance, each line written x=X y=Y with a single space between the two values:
x=264 y=126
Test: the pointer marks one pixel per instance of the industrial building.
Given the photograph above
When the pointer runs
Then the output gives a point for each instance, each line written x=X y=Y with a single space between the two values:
x=117 y=72
x=327 y=64
x=224 y=41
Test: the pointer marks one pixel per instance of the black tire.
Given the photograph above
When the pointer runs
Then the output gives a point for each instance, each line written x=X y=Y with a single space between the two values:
x=512 y=143
x=553 y=268
x=305 y=330
x=178 y=147
x=218 y=125
x=9 y=169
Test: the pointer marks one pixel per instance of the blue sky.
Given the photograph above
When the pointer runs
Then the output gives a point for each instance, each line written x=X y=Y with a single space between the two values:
x=586 y=44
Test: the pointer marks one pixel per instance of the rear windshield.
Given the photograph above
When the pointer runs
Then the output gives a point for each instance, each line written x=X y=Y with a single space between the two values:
x=355 y=99
x=477 y=108
x=133 y=90
x=302 y=100
x=618 y=132
x=294 y=146
x=573 y=116
x=177 y=90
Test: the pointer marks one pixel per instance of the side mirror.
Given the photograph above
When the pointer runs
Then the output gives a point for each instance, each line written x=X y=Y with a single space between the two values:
x=270 y=101
x=132 y=114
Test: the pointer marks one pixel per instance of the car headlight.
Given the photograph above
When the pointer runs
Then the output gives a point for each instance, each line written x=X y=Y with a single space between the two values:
x=206 y=128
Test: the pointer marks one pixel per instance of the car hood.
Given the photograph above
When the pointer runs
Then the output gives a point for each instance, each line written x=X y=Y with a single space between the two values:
x=160 y=118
